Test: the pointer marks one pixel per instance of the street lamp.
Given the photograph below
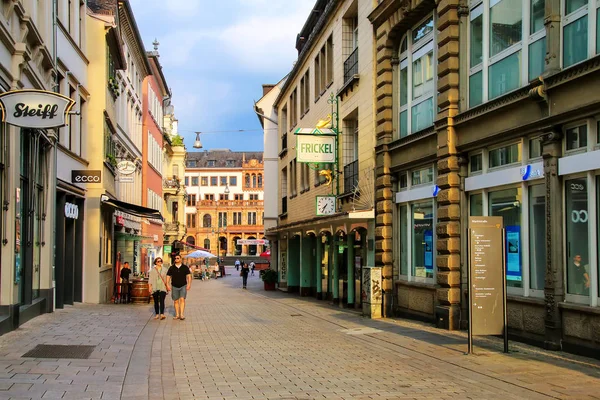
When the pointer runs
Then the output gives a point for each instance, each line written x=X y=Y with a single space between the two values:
x=197 y=143
x=219 y=223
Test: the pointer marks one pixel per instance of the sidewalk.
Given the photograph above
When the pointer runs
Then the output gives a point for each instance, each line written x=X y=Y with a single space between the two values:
x=252 y=344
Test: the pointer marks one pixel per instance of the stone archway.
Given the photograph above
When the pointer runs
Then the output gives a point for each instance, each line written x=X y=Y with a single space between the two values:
x=252 y=248
x=237 y=247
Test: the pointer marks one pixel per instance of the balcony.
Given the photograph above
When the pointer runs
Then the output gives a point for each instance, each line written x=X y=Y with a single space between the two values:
x=350 y=73
x=350 y=176
x=171 y=183
x=229 y=203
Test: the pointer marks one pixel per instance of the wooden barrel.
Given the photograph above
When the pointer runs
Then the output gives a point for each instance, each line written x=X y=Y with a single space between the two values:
x=140 y=292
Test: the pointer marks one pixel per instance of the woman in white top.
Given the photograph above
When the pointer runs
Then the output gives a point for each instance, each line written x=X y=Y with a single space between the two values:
x=158 y=287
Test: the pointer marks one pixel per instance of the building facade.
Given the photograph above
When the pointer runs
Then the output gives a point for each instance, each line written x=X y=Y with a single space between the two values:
x=224 y=201
x=155 y=92
x=508 y=129
x=324 y=242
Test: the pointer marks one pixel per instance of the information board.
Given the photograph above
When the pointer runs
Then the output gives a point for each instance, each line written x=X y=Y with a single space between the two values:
x=487 y=281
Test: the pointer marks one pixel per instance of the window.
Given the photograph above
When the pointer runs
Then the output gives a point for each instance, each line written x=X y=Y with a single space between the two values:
x=194 y=181
x=578 y=35
x=293 y=172
x=324 y=67
x=213 y=181
x=417 y=241
x=507 y=204
x=476 y=205
x=233 y=181
x=207 y=244
x=238 y=197
x=187 y=181
x=207 y=221
x=535 y=148
x=576 y=137
x=537 y=237
x=253 y=197
x=422 y=176
x=304 y=93
x=403 y=180
x=510 y=52
x=247 y=180
x=222 y=219
x=230 y=163
x=211 y=163
x=204 y=180
x=505 y=155
x=237 y=218
x=260 y=180
x=294 y=108
x=577 y=239
x=252 y=218
x=417 y=86
x=191 y=220
x=191 y=200
x=476 y=163
x=209 y=197
x=223 y=181
x=283 y=124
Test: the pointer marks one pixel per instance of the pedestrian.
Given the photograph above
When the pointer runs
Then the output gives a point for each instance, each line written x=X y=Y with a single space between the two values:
x=252 y=266
x=244 y=274
x=179 y=281
x=157 y=283
x=237 y=264
x=126 y=288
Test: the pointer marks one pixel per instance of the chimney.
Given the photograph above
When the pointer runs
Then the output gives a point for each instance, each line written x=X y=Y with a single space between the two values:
x=267 y=88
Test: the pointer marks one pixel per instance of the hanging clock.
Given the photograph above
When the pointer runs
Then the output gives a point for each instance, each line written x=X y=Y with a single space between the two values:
x=325 y=205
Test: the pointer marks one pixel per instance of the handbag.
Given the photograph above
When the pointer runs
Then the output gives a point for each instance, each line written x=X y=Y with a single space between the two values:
x=241 y=273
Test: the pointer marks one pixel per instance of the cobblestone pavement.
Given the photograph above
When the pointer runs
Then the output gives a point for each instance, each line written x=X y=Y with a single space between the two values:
x=252 y=344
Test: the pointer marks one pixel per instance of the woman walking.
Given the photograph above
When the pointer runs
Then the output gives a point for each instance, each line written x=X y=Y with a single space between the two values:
x=244 y=273
x=157 y=284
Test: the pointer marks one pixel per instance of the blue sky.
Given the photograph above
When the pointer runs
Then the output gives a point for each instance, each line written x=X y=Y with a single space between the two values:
x=215 y=57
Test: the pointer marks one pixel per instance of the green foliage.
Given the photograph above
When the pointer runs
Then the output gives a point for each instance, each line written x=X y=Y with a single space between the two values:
x=177 y=140
x=112 y=160
x=269 y=276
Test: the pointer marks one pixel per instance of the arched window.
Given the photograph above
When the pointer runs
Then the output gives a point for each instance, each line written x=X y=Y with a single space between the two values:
x=260 y=180
x=206 y=221
x=190 y=240
x=247 y=180
x=207 y=244
x=253 y=180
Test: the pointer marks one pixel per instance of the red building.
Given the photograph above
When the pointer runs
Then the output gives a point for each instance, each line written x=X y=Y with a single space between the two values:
x=155 y=92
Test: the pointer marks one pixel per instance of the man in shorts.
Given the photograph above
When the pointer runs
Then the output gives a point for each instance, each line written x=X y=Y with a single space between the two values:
x=179 y=281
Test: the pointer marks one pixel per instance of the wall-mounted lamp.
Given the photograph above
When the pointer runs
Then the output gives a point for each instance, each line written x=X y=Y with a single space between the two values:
x=197 y=143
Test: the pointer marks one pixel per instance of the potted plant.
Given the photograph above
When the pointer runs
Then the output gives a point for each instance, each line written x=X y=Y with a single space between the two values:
x=269 y=278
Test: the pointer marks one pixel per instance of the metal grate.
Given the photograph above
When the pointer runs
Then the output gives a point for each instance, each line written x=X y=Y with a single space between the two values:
x=60 y=351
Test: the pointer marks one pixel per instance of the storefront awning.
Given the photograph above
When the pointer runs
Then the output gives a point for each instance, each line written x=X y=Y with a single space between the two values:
x=132 y=209
x=125 y=236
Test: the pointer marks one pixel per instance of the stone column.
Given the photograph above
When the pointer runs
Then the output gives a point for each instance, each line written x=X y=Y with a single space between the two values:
x=350 y=259
x=448 y=179
x=318 y=264
x=553 y=28
x=554 y=290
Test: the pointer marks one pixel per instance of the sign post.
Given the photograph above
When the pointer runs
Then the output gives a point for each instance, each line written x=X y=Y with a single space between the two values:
x=487 y=279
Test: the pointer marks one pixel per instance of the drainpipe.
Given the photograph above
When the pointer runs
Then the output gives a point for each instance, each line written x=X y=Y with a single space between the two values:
x=54 y=179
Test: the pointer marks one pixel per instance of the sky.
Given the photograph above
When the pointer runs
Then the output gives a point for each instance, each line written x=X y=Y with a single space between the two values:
x=216 y=55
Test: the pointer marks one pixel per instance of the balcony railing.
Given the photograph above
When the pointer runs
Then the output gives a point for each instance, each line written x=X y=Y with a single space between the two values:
x=284 y=205
x=351 y=66
x=230 y=203
x=171 y=183
x=350 y=176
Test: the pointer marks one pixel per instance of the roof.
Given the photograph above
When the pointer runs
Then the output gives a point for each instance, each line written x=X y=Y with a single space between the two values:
x=222 y=158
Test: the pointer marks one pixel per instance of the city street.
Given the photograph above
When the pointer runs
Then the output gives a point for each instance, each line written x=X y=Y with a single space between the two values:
x=252 y=344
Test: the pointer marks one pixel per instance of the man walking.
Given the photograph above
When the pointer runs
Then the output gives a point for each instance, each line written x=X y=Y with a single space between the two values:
x=179 y=281
x=252 y=266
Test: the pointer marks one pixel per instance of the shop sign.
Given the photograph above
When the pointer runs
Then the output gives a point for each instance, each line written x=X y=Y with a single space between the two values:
x=315 y=149
x=252 y=242
x=71 y=211
x=126 y=167
x=86 y=176
x=30 y=108
x=125 y=179
x=167 y=249
x=155 y=237
x=528 y=172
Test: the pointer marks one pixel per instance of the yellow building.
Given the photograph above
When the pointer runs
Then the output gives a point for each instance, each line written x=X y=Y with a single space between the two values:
x=174 y=156
x=323 y=243
x=225 y=201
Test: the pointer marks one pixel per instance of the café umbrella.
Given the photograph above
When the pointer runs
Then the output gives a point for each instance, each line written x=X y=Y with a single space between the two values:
x=200 y=254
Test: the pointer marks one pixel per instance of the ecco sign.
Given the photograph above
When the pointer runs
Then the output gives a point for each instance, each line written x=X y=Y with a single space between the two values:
x=32 y=108
x=86 y=176
x=71 y=211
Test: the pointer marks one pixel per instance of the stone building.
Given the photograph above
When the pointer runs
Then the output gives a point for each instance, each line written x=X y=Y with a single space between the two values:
x=225 y=201
x=490 y=108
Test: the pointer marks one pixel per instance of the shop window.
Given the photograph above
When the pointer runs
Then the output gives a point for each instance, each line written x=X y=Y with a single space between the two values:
x=403 y=180
x=537 y=236
x=403 y=240
x=535 y=148
x=422 y=240
x=505 y=155
x=476 y=205
x=422 y=176
x=416 y=82
x=476 y=163
x=577 y=240
x=507 y=204
x=576 y=137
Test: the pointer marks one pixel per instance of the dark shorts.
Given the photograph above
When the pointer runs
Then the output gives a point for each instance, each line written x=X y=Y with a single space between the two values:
x=178 y=293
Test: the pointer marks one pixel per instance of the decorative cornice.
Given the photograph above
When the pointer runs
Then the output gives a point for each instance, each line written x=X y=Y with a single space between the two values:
x=410 y=139
x=573 y=72
x=493 y=105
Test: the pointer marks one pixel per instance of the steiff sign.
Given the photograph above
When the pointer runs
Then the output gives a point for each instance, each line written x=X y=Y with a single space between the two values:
x=487 y=278
x=315 y=148
x=39 y=109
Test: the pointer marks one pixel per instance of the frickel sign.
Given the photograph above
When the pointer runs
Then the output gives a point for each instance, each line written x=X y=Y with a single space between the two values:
x=37 y=109
x=315 y=148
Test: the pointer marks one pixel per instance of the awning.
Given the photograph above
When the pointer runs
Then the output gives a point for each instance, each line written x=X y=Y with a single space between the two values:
x=132 y=209
x=124 y=236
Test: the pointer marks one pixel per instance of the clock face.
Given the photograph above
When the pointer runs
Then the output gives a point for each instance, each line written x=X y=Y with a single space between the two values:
x=325 y=205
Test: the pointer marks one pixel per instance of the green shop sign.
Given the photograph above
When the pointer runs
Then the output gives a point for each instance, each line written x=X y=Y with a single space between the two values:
x=315 y=148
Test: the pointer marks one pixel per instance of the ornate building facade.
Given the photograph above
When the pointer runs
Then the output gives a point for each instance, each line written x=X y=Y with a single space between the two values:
x=224 y=201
